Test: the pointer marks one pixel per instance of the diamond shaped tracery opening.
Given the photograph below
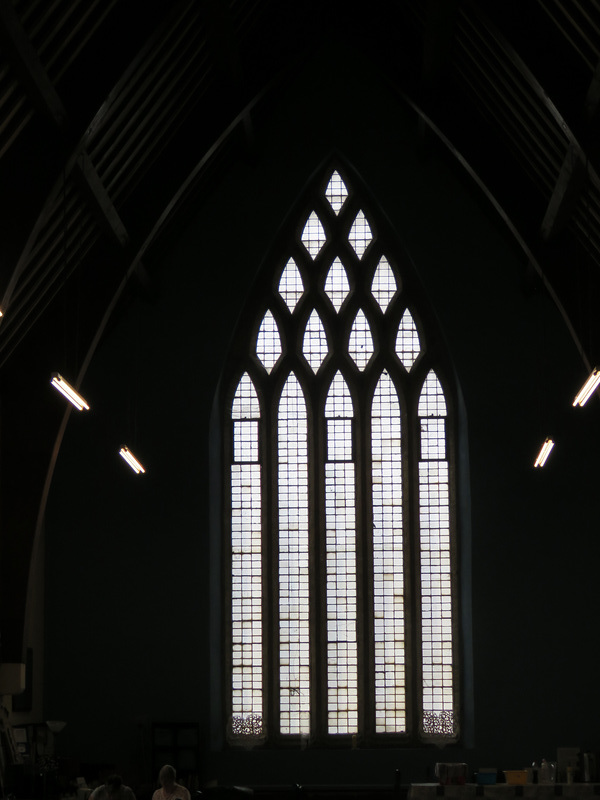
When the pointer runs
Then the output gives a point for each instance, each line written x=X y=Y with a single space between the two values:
x=360 y=345
x=360 y=236
x=336 y=284
x=315 y=342
x=408 y=345
x=313 y=235
x=384 y=284
x=268 y=342
x=336 y=192
x=291 y=286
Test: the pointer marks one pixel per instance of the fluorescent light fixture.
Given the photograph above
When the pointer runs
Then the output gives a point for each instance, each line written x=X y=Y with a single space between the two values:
x=68 y=391
x=128 y=456
x=544 y=453
x=588 y=388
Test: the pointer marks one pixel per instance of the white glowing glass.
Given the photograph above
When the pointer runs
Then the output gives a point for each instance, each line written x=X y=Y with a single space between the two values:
x=408 y=345
x=337 y=287
x=388 y=560
x=336 y=192
x=313 y=235
x=384 y=284
x=435 y=557
x=294 y=604
x=268 y=343
x=315 y=342
x=291 y=286
x=360 y=345
x=360 y=236
x=340 y=551
x=246 y=569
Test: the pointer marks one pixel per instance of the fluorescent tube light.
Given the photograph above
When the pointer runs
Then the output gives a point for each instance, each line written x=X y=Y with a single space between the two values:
x=65 y=388
x=544 y=453
x=588 y=388
x=128 y=456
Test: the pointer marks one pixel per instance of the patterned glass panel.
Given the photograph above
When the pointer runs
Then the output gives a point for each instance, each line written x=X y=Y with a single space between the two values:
x=313 y=235
x=246 y=568
x=336 y=192
x=435 y=554
x=388 y=561
x=384 y=284
x=336 y=284
x=315 y=342
x=360 y=345
x=291 y=287
x=268 y=343
x=294 y=642
x=360 y=236
x=340 y=547
x=408 y=345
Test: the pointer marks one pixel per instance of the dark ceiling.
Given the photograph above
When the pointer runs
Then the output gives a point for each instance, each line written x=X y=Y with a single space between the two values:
x=114 y=112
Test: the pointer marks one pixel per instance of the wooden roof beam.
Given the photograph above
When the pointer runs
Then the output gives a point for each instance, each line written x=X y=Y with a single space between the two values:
x=28 y=66
x=592 y=98
x=227 y=57
x=99 y=201
x=567 y=191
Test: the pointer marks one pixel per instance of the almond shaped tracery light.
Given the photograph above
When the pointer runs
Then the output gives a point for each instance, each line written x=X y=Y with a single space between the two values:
x=360 y=345
x=313 y=235
x=268 y=342
x=360 y=236
x=336 y=192
x=408 y=345
x=314 y=345
x=384 y=284
x=337 y=287
x=291 y=285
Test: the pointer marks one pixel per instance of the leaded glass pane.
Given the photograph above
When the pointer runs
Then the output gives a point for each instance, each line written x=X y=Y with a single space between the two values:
x=315 y=342
x=388 y=561
x=360 y=236
x=432 y=402
x=408 y=345
x=384 y=284
x=336 y=284
x=245 y=402
x=291 y=286
x=294 y=633
x=339 y=402
x=313 y=235
x=268 y=343
x=436 y=598
x=246 y=585
x=360 y=345
x=245 y=440
x=435 y=554
x=336 y=192
x=433 y=438
x=340 y=545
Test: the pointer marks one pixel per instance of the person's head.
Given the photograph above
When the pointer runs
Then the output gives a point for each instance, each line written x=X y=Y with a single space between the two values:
x=113 y=784
x=167 y=776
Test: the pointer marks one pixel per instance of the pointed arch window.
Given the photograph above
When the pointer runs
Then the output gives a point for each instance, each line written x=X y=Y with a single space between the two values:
x=341 y=621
